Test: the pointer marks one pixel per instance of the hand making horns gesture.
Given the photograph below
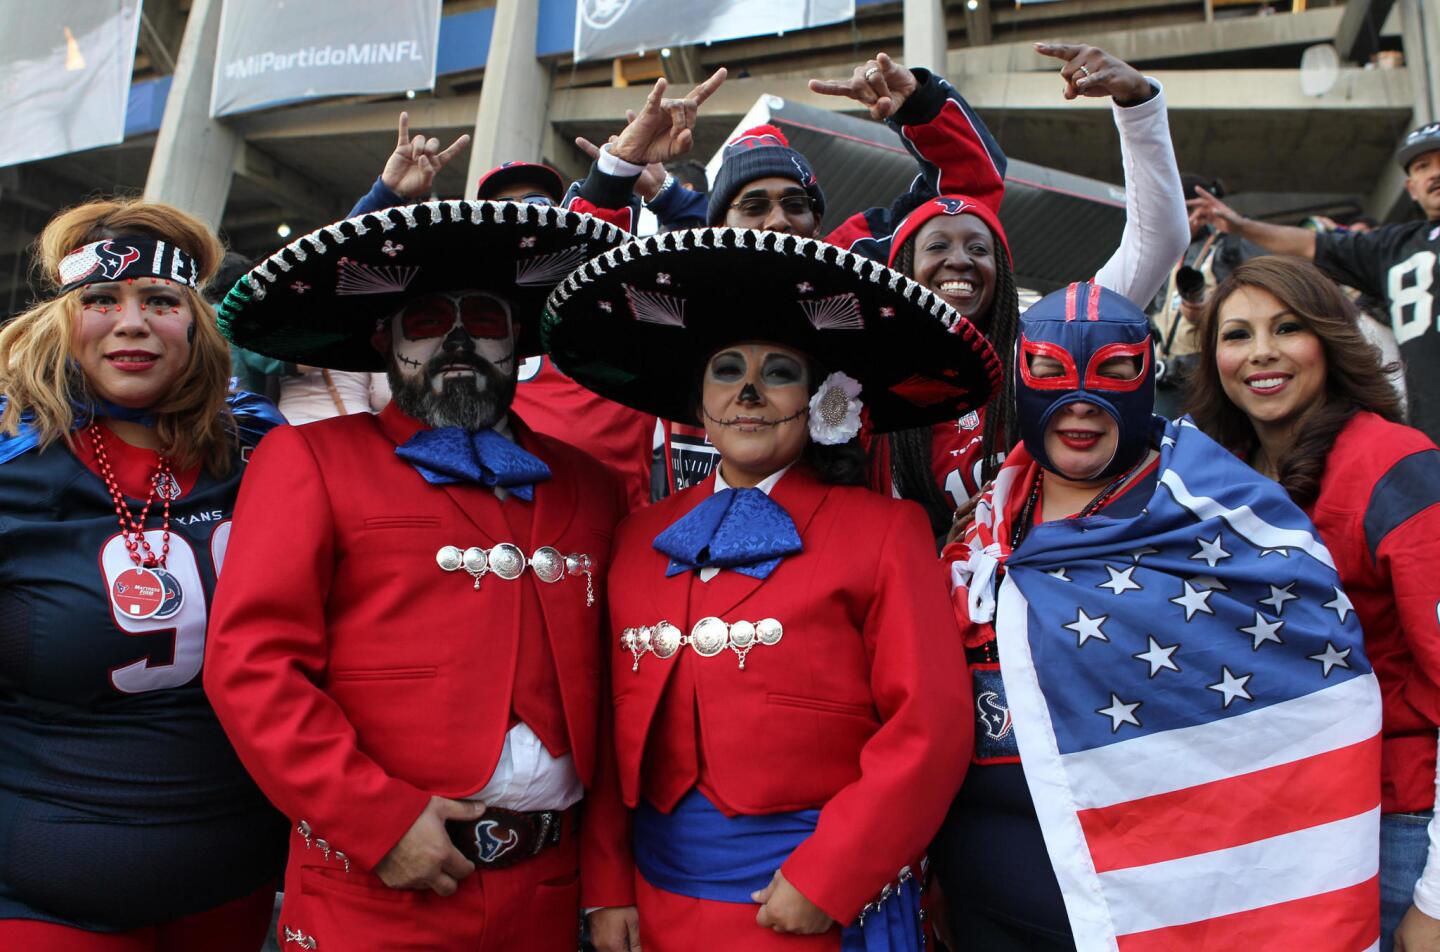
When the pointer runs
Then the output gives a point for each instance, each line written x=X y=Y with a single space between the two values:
x=664 y=128
x=880 y=85
x=412 y=167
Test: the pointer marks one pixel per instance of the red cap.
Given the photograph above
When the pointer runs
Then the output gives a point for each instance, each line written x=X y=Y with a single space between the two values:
x=508 y=173
x=947 y=205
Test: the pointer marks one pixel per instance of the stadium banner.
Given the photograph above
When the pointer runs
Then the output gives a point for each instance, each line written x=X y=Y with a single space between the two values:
x=65 y=76
x=608 y=28
x=321 y=48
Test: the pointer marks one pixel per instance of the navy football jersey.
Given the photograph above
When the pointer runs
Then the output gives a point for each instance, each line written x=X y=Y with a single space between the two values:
x=121 y=801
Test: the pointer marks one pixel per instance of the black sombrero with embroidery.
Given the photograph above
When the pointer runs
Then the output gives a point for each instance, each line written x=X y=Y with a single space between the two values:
x=318 y=299
x=636 y=323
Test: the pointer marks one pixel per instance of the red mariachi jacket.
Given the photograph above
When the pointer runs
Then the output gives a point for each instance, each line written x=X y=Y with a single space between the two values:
x=861 y=709
x=355 y=678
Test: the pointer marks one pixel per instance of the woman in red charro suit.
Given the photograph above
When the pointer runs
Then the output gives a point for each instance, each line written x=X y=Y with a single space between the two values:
x=788 y=706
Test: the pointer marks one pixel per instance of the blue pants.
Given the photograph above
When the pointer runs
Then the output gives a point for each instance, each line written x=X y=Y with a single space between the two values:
x=1404 y=844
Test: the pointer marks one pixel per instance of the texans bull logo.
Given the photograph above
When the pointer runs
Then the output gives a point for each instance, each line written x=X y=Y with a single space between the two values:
x=112 y=262
x=953 y=206
x=993 y=715
x=489 y=846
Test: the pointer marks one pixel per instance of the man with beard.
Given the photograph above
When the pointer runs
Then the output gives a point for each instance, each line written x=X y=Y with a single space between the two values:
x=405 y=647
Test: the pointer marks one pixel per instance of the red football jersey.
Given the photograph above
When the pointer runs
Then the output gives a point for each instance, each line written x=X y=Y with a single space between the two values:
x=621 y=439
x=1379 y=514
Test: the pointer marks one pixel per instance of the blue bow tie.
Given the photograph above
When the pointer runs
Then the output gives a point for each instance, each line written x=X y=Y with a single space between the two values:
x=740 y=529
x=451 y=455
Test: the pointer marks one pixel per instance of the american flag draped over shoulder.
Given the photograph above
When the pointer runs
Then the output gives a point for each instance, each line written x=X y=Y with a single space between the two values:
x=1197 y=720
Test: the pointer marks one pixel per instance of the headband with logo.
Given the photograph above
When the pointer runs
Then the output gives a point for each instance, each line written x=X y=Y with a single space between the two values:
x=124 y=259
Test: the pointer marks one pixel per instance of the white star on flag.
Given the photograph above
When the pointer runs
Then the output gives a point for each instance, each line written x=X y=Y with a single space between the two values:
x=1263 y=630
x=1231 y=686
x=1210 y=551
x=1279 y=550
x=1086 y=627
x=1158 y=656
x=1279 y=595
x=1193 y=600
x=1341 y=604
x=1210 y=581
x=1330 y=657
x=1060 y=574
x=1143 y=551
x=1120 y=713
x=1120 y=582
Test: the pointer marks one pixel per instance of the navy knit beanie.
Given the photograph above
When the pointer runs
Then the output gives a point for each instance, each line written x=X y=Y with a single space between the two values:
x=759 y=153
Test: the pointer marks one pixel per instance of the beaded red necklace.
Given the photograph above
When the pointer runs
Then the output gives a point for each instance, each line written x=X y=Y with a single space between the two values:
x=131 y=528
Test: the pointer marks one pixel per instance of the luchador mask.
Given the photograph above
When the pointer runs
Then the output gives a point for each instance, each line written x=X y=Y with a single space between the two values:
x=1082 y=327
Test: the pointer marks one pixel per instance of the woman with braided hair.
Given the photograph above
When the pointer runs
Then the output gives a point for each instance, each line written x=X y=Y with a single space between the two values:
x=955 y=246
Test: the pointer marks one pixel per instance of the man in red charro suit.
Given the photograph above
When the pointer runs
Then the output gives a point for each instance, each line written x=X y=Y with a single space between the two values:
x=406 y=647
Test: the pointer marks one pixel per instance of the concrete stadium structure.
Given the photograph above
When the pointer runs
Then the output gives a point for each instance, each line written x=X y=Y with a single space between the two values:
x=1231 y=71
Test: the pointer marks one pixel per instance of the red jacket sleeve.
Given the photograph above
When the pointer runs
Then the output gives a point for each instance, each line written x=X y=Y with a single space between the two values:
x=912 y=767
x=1402 y=529
x=955 y=152
x=266 y=652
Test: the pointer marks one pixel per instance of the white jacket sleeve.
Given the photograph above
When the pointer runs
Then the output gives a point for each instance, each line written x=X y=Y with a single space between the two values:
x=1157 y=228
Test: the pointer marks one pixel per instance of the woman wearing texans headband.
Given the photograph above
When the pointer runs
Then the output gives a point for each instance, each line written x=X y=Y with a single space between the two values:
x=788 y=720
x=127 y=821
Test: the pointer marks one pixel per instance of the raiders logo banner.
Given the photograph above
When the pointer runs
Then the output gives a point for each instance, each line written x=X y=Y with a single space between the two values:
x=606 y=28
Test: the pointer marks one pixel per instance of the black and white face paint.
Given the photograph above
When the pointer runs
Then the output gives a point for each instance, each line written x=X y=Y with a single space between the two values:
x=453 y=359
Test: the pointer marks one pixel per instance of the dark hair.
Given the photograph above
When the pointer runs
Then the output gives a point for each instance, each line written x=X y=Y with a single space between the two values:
x=910 y=450
x=232 y=267
x=1211 y=184
x=1354 y=377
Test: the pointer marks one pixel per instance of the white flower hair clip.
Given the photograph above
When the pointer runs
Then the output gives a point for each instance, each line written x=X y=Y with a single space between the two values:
x=835 y=410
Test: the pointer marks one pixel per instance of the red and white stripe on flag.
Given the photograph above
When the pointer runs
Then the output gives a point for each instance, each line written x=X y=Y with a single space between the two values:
x=1249 y=832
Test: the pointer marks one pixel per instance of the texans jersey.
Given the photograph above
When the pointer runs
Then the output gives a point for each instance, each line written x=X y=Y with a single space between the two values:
x=122 y=803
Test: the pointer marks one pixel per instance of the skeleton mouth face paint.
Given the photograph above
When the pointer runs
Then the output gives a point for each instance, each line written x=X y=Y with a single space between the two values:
x=447 y=336
x=753 y=398
x=454 y=359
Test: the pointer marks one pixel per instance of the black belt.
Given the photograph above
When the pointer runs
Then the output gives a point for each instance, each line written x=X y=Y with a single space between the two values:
x=503 y=838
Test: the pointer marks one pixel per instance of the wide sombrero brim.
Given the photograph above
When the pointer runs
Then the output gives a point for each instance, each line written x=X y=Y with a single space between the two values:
x=318 y=300
x=636 y=324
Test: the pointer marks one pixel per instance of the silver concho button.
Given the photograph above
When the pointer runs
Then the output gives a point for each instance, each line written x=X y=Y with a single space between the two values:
x=473 y=559
x=667 y=640
x=643 y=635
x=575 y=563
x=709 y=636
x=548 y=564
x=507 y=561
x=742 y=634
x=448 y=558
x=769 y=631
x=627 y=639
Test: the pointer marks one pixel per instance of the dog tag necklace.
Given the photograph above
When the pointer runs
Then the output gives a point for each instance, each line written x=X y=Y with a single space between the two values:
x=146 y=589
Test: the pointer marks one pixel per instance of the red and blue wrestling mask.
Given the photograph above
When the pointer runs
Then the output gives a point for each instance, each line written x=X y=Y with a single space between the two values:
x=1082 y=327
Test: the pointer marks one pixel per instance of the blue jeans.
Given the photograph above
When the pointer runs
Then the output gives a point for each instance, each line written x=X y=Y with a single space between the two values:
x=1404 y=844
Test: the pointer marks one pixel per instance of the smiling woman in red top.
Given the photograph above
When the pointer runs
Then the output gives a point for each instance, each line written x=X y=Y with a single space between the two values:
x=1287 y=381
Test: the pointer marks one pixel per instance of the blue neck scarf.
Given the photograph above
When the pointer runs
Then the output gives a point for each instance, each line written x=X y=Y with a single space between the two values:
x=452 y=455
x=740 y=529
